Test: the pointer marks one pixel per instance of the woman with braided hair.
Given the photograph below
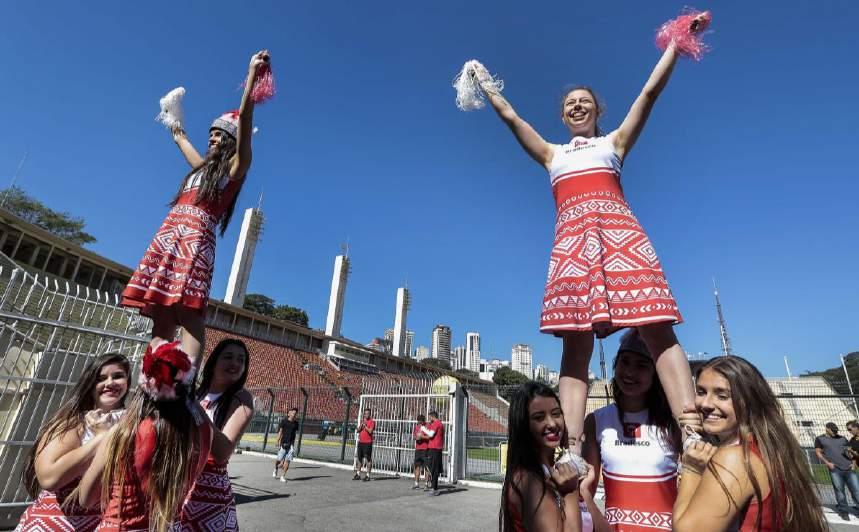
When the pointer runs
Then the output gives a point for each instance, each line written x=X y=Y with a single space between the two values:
x=171 y=284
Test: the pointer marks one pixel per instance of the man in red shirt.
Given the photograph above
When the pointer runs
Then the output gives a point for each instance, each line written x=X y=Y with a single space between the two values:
x=365 y=446
x=435 y=431
x=421 y=444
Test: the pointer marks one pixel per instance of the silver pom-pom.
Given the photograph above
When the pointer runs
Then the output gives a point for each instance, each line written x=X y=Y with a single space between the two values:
x=471 y=83
x=171 y=114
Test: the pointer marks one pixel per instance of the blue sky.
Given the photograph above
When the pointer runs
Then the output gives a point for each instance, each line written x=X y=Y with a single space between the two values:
x=745 y=172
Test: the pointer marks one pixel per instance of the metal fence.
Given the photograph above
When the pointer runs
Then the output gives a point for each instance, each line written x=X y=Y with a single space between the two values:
x=327 y=415
x=49 y=331
x=808 y=403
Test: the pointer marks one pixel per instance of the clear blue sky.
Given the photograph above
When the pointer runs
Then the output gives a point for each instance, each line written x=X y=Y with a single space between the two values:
x=746 y=170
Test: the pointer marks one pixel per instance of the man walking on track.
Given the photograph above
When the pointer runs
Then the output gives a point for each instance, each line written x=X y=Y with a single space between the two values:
x=435 y=431
x=286 y=438
x=365 y=446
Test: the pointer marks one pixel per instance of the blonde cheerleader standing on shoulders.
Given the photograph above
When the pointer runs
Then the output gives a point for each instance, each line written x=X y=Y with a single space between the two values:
x=67 y=443
x=603 y=272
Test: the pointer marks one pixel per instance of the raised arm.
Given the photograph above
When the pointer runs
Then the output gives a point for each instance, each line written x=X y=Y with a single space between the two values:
x=625 y=136
x=89 y=488
x=224 y=441
x=188 y=151
x=528 y=138
x=242 y=159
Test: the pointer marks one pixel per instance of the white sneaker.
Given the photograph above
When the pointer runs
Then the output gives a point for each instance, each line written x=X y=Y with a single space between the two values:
x=274 y=475
x=283 y=478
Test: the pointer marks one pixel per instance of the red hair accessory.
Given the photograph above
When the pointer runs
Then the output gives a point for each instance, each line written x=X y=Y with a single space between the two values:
x=162 y=369
x=686 y=32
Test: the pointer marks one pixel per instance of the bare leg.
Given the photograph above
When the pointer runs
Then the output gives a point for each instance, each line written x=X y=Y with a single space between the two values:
x=573 y=386
x=672 y=366
x=163 y=325
x=193 y=325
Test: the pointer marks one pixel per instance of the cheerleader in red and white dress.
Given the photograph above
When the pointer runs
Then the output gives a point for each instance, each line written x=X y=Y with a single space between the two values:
x=603 y=272
x=211 y=507
x=143 y=471
x=67 y=443
x=635 y=442
x=171 y=284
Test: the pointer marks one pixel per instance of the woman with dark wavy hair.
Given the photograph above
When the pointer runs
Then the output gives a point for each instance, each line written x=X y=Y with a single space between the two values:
x=171 y=284
x=635 y=443
x=211 y=506
x=755 y=477
x=67 y=443
x=539 y=493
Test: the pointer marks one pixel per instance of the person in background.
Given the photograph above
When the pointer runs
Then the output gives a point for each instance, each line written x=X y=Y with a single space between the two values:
x=434 y=430
x=853 y=443
x=421 y=446
x=831 y=448
x=286 y=440
x=365 y=446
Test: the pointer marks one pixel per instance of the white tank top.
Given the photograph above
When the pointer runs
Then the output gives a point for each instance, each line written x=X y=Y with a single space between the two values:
x=583 y=156
x=639 y=471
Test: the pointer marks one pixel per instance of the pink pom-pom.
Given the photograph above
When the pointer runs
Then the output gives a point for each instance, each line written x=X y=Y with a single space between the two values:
x=686 y=32
x=263 y=84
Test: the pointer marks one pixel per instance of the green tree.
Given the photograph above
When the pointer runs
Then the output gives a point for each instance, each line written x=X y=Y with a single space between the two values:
x=62 y=224
x=505 y=376
x=260 y=304
x=293 y=314
x=436 y=363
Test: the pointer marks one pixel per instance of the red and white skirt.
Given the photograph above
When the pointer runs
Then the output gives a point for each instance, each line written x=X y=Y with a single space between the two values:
x=178 y=264
x=603 y=272
x=211 y=506
x=47 y=513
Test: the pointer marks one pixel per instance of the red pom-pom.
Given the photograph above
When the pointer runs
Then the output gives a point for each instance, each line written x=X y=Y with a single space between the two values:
x=161 y=367
x=686 y=32
x=263 y=88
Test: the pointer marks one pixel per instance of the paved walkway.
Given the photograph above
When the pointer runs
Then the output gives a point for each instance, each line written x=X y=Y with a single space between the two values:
x=324 y=498
x=318 y=497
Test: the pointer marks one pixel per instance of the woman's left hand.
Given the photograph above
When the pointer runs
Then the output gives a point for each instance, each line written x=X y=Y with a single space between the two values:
x=260 y=58
x=697 y=456
x=589 y=482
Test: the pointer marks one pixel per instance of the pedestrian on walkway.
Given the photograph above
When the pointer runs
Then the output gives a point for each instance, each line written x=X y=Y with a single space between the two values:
x=435 y=448
x=286 y=432
x=364 y=456
x=831 y=448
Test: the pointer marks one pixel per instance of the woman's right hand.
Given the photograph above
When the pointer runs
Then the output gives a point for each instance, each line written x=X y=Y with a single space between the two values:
x=481 y=73
x=565 y=476
x=589 y=482
x=178 y=133
x=257 y=60
x=697 y=456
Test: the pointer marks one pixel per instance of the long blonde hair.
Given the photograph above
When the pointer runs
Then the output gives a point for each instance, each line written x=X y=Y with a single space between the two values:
x=760 y=420
x=177 y=454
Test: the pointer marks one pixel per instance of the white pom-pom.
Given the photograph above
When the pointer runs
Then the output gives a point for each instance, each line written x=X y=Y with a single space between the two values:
x=171 y=114
x=255 y=130
x=470 y=94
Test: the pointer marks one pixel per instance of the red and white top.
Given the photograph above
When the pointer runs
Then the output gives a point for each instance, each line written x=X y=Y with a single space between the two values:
x=639 y=471
x=584 y=156
x=363 y=435
x=436 y=442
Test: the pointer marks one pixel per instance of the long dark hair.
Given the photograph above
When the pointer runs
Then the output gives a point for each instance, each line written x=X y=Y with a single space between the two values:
x=597 y=101
x=222 y=403
x=173 y=464
x=215 y=165
x=658 y=411
x=71 y=415
x=760 y=420
x=523 y=456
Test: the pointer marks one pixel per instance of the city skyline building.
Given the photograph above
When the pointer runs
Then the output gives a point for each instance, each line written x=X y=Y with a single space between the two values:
x=457 y=359
x=521 y=359
x=422 y=352
x=472 y=351
x=441 y=343
x=337 y=298
x=400 y=318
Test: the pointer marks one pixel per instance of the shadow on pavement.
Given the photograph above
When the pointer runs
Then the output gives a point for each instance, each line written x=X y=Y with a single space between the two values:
x=299 y=479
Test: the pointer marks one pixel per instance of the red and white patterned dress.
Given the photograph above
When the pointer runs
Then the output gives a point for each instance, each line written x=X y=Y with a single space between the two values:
x=178 y=264
x=603 y=271
x=46 y=513
x=639 y=471
x=211 y=506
